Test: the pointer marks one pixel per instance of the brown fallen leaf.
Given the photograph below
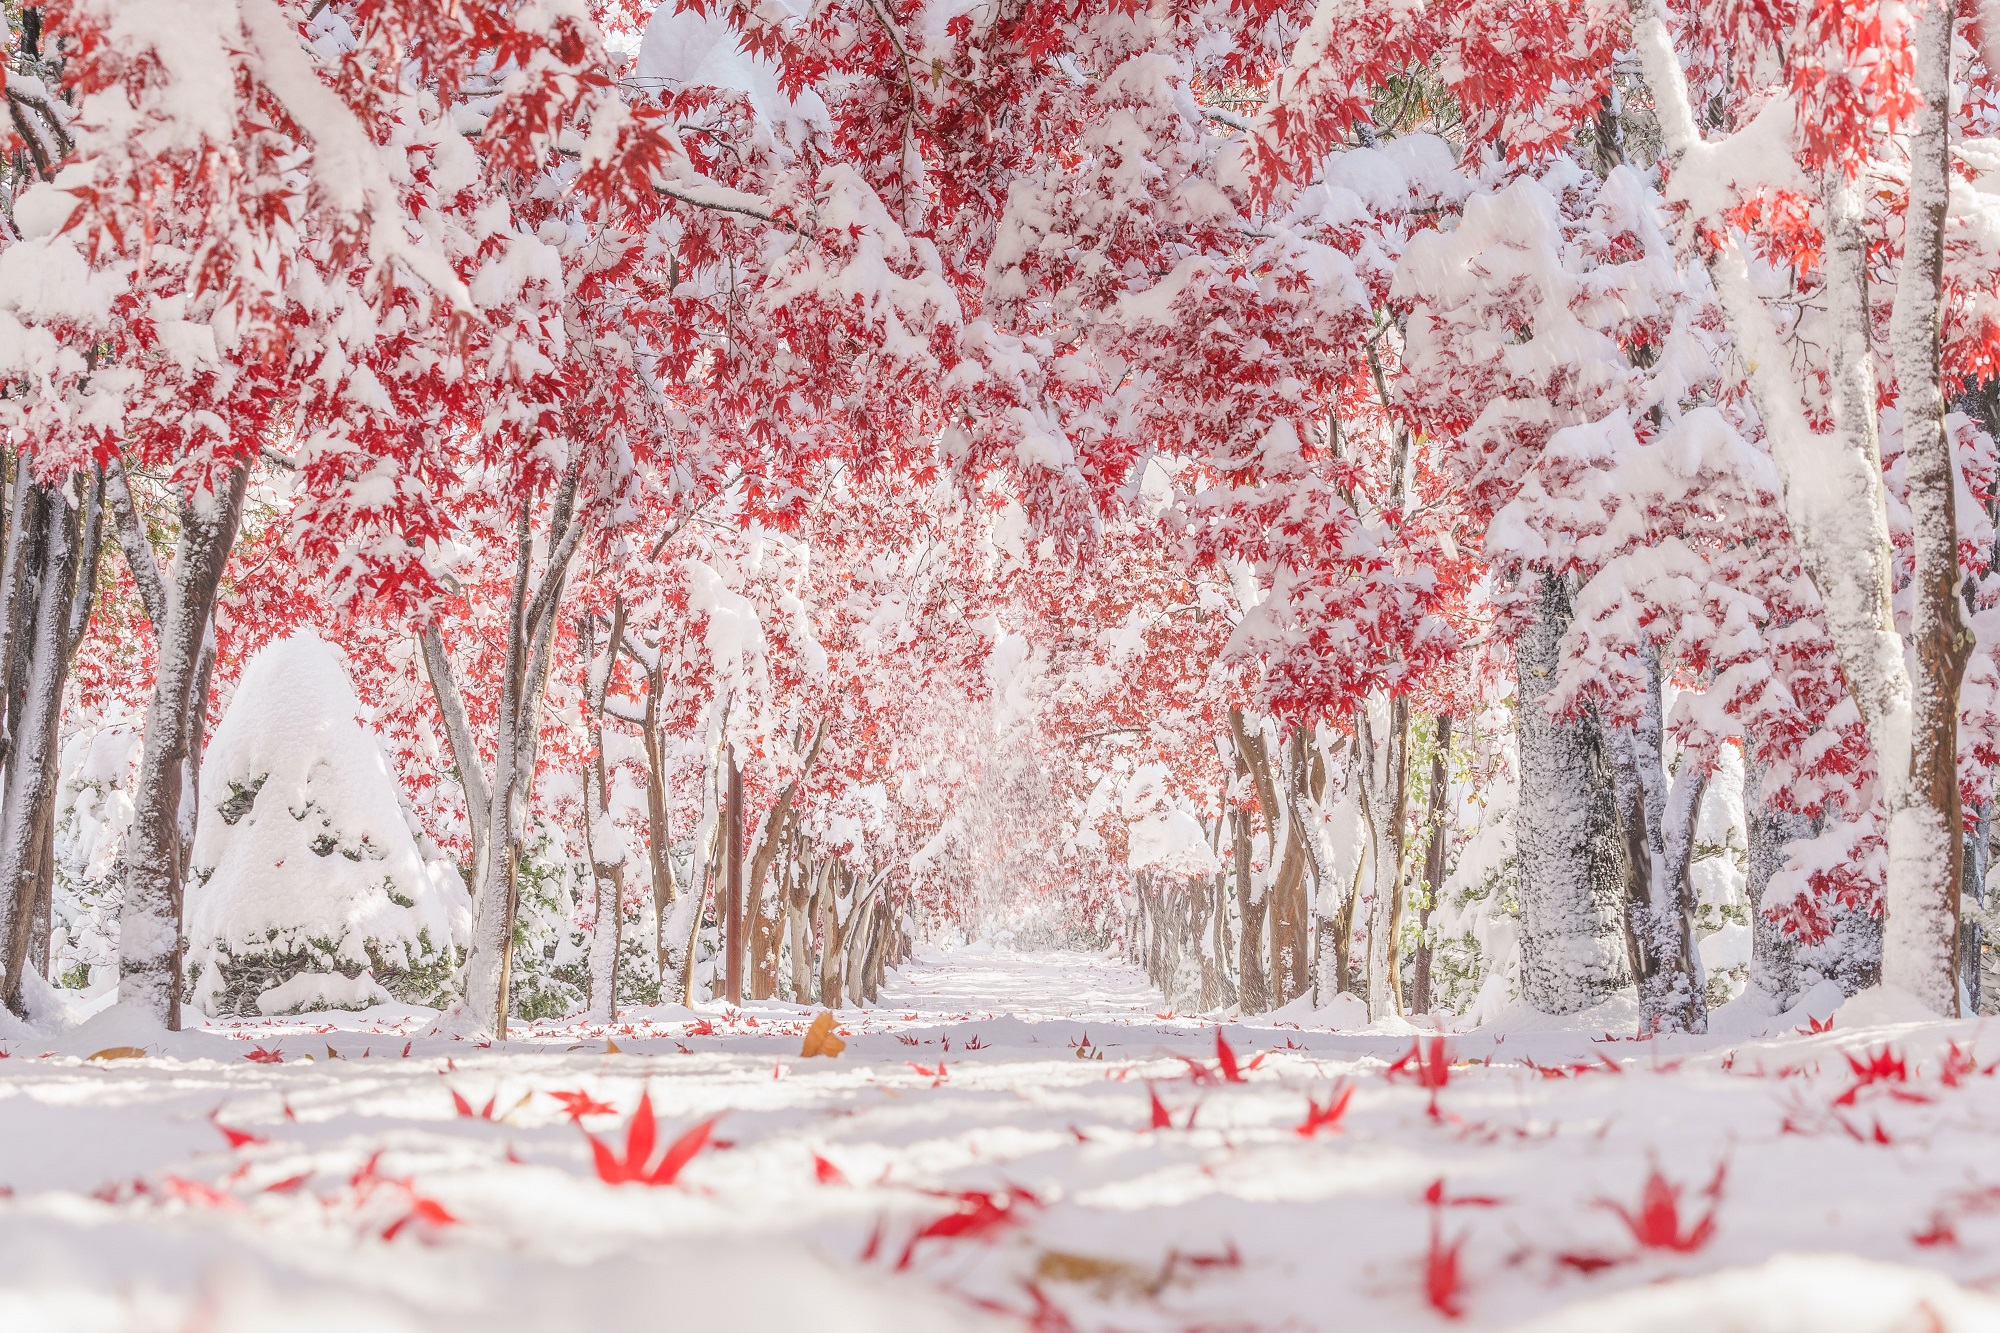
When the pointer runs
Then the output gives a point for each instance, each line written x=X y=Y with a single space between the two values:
x=120 y=1053
x=1111 y=1277
x=820 y=1039
x=612 y=1048
x=332 y=1054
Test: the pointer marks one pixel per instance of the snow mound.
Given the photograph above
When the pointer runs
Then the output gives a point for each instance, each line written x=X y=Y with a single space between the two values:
x=1789 y=1294
x=304 y=861
x=1619 y=1014
x=1883 y=1006
x=322 y=990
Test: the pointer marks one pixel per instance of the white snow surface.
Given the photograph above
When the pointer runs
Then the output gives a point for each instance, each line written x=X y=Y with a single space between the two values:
x=363 y=1198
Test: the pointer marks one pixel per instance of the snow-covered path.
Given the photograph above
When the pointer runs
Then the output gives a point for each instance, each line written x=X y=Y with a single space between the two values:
x=989 y=1152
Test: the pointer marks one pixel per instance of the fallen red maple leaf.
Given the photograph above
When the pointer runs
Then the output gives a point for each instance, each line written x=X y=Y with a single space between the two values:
x=1657 y=1224
x=636 y=1167
x=1444 y=1279
x=427 y=1211
x=264 y=1057
x=238 y=1138
x=1325 y=1117
x=1883 y=1066
x=980 y=1212
x=464 y=1107
x=580 y=1104
x=826 y=1172
x=1428 y=1064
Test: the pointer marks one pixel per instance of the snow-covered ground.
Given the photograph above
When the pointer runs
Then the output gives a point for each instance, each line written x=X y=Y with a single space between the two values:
x=984 y=1154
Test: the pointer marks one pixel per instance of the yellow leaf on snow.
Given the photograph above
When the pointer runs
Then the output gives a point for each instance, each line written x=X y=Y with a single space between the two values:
x=820 y=1039
x=120 y=1053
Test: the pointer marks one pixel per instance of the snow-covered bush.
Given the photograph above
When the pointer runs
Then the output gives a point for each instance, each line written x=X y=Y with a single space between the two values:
x=549 y=974
x=307 y=888
x=93 y=809
x=1475 y=957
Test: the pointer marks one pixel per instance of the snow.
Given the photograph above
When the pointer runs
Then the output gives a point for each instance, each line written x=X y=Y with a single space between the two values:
x=135 y=1212
x=303 y=861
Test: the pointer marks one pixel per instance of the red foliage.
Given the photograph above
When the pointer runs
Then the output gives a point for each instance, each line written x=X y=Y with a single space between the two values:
x=1329 y=1116
x=636 y=1167
x=1657 y=1222
x=580 y=1104
x=980 y=1213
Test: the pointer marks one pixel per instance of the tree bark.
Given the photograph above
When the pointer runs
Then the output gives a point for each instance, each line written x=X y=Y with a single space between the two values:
x=498 y=802
x=1566 y=832
x=149 y=964
x=732 y=908
x=1926 y=825
x=1435 y=816
x=58 y=580
x=603 y=847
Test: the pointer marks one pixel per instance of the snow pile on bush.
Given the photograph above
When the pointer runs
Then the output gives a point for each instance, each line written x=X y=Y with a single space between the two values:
x=307 y=888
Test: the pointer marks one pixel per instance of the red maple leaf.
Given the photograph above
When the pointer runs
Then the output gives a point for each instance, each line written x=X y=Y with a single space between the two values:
x=1657 y=1223
x=980 y=1213
x=826 y=1172
x=1329 y=1116
x=636 y=1167
x=264 y=1057
x=581 y=1104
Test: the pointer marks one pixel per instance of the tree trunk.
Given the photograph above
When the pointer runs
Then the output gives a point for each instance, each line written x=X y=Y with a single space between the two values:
x=498 y=803
x=1385 y=800
x=1566 y=833
x=732 y=904
x=149 y=964
x=1926 y=826
x=58 y=578
x=1436 y=813
x=1253 y=988
x=1835 y=502
x=1657 y=829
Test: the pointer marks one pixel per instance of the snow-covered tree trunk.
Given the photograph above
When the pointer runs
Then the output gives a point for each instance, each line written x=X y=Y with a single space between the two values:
x=1657 y=825
x=1436 y=813
x=1834 y=496
x=149 y=964
x=1286 y=856
x=497 y=800
x=1382 y=752
x=1921 y=911
x=1253 y=989
x=1566 y=830
x=58 y=537
x=604 y=844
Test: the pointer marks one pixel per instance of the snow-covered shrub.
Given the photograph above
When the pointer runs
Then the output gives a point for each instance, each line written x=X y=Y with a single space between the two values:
x=1475 y=956
x=549 y=976
x=93 y=811
x=307 y=888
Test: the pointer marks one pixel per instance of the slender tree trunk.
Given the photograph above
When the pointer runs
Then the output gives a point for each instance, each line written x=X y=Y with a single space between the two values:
x=60 y=576
x=732 y=924
x=1253 y=988
x=1835 y=503
x=149 y=964
x=1926 y=825
x=1385 y=803
x=1657 y=828
x=1436 y=814
x=604 y=846
x=498 y=803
